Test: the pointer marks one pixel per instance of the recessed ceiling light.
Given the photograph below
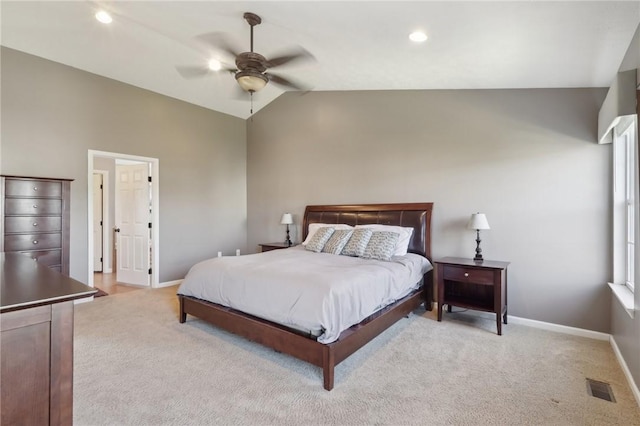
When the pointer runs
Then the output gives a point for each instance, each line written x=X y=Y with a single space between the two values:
x=215 y=65
x=104 y=17
x=417 y=36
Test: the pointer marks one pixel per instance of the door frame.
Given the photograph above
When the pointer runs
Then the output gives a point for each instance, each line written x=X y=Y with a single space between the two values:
x=106 y=254
x=155 y=211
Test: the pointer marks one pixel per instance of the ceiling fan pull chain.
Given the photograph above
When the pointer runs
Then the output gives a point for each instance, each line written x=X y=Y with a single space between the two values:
x=251 y=111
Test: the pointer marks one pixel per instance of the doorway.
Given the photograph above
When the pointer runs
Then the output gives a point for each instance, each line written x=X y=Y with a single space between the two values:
x=138 y=251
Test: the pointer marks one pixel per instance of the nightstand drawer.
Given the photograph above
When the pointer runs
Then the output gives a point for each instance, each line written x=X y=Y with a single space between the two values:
x=468 y=275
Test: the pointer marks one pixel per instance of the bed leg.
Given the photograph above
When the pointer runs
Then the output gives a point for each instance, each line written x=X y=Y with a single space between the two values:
x=428 y=291
x=328 y=361
x=183 y=315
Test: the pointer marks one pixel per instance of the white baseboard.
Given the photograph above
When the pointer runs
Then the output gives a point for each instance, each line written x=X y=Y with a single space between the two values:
x=560 y=328
x=168 y=283
x=625 y=369
x=545 y=325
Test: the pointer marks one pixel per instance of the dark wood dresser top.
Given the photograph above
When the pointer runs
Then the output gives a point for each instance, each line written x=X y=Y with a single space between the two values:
x=25 y=283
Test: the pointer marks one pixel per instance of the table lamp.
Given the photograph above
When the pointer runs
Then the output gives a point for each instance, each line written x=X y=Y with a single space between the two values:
x=287 y=220
x=478 y=221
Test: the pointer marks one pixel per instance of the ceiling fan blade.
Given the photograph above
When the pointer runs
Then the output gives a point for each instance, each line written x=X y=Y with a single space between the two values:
x=285 y=82
x=297 y=55
x=190 y=72
x=218 y=41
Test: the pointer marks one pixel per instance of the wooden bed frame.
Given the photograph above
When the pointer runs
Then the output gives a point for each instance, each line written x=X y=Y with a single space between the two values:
x=327 y=356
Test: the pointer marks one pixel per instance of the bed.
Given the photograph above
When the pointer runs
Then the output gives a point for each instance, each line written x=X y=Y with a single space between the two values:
x=308 y=346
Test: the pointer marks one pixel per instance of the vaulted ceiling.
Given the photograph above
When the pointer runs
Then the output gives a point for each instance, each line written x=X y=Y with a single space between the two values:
x=357 y=45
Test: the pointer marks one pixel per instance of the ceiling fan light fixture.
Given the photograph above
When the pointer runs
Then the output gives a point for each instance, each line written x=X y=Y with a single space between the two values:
x=417 y=36
x=104 y=17
x=215 y=65
x=251 y=81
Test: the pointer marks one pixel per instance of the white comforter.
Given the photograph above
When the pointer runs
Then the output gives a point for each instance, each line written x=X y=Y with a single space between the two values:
x=319 y=293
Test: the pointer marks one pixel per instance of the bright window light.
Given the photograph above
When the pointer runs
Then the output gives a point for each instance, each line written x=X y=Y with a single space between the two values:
x=104 y=17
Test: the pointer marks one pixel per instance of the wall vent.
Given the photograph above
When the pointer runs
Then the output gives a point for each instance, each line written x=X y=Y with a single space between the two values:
x=600 y=390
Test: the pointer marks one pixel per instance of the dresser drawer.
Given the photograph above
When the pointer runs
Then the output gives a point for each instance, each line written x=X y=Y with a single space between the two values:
x=468 y=275
x=26 y=206
x=32 y=188
x=20 y=242
x=13 y=224
x=46 y=257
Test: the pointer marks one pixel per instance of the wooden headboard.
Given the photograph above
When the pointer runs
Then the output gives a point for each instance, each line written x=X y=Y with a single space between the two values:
x=415 y=215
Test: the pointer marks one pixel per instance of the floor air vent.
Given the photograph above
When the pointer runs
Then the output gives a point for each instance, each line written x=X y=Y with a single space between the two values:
x=600 y=390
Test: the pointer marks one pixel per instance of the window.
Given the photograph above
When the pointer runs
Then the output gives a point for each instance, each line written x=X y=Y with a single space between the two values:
x=624 y=146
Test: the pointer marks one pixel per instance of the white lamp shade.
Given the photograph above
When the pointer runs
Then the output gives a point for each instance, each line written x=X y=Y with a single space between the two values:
x=478 y=221
x=286 y=219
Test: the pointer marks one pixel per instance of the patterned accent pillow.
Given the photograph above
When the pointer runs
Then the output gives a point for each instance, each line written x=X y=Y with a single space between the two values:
x=381 y=245
x=357 y=243
x=403 y=241
x=313 y=228
x=319 y=239
x=337 y=241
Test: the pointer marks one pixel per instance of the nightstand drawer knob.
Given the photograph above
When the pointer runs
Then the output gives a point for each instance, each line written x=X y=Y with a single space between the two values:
x=466 y=274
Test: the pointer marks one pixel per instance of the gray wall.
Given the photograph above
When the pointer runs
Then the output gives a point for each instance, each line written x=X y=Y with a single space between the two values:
x=626 y=330
x=526 y=158
x=53 y=114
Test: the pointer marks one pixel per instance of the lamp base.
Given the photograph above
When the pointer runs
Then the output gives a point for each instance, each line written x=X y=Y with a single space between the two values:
x=288 y=240
x=478 y=256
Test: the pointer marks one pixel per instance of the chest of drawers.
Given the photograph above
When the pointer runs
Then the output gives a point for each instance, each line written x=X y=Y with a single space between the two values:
x=35 y=219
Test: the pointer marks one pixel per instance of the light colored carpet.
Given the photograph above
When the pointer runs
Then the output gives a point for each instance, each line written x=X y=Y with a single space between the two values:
x=135 y=364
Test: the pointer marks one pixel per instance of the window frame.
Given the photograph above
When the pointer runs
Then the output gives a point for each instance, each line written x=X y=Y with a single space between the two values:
x=624 y=204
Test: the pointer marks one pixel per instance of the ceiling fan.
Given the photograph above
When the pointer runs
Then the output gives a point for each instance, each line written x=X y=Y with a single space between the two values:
x=251 y=67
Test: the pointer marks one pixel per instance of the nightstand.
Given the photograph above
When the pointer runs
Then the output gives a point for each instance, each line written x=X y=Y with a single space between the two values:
x=474 y=285
x=273 y=246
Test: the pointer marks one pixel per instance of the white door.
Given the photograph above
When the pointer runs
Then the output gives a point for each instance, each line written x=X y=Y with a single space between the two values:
x=132 y=220
x=97 y=222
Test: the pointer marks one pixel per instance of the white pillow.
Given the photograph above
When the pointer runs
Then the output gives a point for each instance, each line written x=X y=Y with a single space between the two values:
x=313 y=228
x=404 y=232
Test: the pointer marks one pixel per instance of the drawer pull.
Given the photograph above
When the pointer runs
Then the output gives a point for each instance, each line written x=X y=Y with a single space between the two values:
x=35 y=241
x=35 y=206
x=35 y=188
x=466 y=274
x=35 y=223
